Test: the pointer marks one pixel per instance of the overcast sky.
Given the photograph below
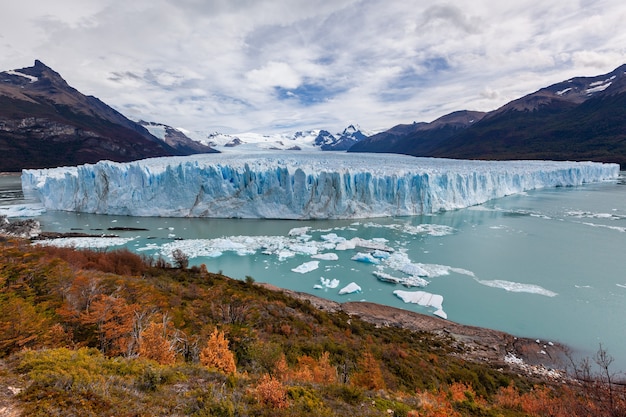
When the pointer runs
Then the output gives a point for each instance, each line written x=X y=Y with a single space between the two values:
x=284 y=65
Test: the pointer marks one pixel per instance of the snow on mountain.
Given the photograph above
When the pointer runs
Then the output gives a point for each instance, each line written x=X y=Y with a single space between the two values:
x=307 y=140
x=306 y=185
x=175 y=138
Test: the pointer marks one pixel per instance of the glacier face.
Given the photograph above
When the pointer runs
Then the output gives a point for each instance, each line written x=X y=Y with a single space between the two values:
x=303 y=186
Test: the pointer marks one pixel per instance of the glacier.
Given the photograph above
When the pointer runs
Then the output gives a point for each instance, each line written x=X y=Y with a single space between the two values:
x=273 y=185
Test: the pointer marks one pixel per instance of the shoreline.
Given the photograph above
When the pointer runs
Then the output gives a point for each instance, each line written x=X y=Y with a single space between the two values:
x=533 y=357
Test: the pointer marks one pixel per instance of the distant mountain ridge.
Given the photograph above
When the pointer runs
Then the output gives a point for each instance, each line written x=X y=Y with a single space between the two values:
x=583 y=118
x=44 y=122
x=350 y=136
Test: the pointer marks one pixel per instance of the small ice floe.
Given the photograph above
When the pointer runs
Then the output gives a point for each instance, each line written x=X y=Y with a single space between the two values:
x=517 y=287
x=306 y=267
x=299 y=231
x=306 y=249
x=330 y=256
x=412 y=281
x=351 y=288
x=332 y=238
x=380 y=254
x=424 y=299
x=329 y=283
x=284 y=254
x=365 y=258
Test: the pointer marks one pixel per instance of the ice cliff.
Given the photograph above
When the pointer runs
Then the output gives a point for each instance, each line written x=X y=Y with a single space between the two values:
x=303 y=186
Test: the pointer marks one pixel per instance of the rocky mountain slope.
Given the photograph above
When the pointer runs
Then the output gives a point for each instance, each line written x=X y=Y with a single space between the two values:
x=581 y=118
x=176 y=138
x=44 y=122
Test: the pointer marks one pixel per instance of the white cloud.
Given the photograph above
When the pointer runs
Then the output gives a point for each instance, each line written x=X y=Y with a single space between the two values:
x=275 y=64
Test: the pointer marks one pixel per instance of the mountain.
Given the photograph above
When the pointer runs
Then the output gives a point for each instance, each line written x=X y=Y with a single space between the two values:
x=350 y=136
x=44 y=122
x=305 y=140
x=176 y=138
x=418 y=138
x=582 y=118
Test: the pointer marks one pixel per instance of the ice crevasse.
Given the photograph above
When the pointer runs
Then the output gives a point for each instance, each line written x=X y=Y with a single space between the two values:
x=296 y=186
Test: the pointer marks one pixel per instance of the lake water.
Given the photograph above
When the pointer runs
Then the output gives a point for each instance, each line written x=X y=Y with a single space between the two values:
x=548 y=264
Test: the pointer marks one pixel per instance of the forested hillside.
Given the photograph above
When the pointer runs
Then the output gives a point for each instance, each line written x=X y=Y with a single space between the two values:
x=109 y=333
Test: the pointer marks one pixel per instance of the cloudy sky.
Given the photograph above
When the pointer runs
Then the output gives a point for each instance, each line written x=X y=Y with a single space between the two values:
x=284 y=65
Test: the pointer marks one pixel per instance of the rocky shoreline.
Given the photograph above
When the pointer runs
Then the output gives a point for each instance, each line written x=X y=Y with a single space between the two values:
x=532 y=357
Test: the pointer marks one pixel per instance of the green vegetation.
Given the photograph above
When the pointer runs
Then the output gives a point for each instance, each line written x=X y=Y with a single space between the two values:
x=87 y=333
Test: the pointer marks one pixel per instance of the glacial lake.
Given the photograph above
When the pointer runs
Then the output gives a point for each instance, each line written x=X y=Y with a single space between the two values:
x=548 y=264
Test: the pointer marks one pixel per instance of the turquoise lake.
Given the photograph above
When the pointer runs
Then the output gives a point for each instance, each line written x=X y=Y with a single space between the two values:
x=548 y=264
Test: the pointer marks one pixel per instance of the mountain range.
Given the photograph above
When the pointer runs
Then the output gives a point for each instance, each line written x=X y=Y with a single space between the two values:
x=583 y=118
x=44 y=122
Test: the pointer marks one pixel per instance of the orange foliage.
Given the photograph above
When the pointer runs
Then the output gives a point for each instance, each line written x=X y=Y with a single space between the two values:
x=281 y=368
x=307 y=369
x=271 y=392
x=369 y=375
x=543 y=401
x=115 y=320
x=155 y=345
x=508 y=397
x=217 y=354
x=436 y=405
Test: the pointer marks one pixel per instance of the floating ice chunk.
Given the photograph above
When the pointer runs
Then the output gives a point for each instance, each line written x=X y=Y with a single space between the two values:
x=411 y=281
x=518 y=287
x=329 y=283
x=326 y=256
x=306 y=267
x=351 y=288
x=305 y=249
x=346 y=245
x=365 y=258
x=318 y=287
x=413 y=269
x=332 y=237
x=421 y=229
x=376 y=244
x=284 y=254
x=299 y=231
x=424 y=299
x=380 y=254
x=85 y=242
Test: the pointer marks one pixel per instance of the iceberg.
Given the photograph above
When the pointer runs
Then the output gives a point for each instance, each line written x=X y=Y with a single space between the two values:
x=365 y=258
x=312 y=185
x=306 y=267
x=351 y=288
x=424 y=299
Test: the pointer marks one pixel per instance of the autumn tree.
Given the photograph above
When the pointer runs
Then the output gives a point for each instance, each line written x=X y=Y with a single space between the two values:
x=217 y=354
x=369 y=375
x=154 y=344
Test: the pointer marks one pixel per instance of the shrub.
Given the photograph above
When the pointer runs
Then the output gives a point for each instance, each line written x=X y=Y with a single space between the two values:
x=217 y=354
x=271 y=392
